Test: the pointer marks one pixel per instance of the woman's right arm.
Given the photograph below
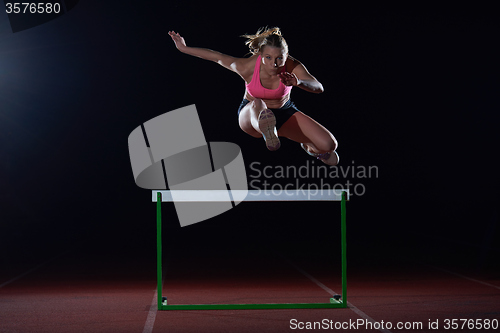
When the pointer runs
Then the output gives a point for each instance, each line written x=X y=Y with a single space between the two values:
x=231 y=63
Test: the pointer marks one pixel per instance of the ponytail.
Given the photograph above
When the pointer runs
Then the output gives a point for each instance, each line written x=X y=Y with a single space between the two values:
x=263 y=37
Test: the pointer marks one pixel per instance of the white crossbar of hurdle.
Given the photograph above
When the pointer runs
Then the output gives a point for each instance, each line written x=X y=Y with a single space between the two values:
x=159 y=196
x=250 y=195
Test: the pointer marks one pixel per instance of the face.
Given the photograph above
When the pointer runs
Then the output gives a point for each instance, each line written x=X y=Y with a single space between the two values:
x=273 y=58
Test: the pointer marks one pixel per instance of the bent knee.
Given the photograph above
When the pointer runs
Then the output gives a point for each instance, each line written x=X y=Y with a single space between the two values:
x=259 y=104
x=335 y=144
x=327 y=145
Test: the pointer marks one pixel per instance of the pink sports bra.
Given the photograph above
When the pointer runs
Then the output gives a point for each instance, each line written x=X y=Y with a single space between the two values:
x=256 y=90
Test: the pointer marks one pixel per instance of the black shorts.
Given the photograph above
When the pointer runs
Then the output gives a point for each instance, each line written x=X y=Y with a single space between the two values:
x=282 y=114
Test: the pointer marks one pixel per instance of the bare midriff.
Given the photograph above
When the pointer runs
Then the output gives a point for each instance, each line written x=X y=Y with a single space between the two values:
x=271 y=103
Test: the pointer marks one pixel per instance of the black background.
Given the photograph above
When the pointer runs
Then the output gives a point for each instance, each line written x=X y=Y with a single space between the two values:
x=410 y=90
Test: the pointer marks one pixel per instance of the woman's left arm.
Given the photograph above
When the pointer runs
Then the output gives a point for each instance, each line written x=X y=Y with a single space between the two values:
x=300 y=77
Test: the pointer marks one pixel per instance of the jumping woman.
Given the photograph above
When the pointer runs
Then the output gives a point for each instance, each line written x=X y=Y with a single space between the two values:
x=266 y=111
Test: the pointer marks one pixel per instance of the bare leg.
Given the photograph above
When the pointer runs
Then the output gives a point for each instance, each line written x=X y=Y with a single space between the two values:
x=249 y=117
x=257 y=120
x=316 y=138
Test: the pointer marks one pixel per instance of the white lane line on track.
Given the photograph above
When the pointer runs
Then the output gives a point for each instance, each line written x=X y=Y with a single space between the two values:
x=331 y=292
x=20 y=276
x=150 y=321
x=466 y=277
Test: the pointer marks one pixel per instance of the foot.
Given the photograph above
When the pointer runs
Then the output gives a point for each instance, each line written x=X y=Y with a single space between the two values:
x=330 y=158
x=267 y=126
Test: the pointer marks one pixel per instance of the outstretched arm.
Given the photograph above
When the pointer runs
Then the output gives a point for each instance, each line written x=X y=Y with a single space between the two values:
x=224 y=60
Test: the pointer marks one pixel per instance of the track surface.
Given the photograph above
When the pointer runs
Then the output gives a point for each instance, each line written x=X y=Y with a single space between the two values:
x=98 y=286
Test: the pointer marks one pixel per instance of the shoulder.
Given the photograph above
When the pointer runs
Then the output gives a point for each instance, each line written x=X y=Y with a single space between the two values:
x=248 y=62
x=245 y=66
x=297 y=68
x=291 y=64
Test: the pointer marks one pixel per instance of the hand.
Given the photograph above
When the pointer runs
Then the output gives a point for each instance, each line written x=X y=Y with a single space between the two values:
x=180 y=43
x=289 y=79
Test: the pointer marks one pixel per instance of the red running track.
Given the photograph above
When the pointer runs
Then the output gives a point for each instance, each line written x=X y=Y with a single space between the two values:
x=111 y=289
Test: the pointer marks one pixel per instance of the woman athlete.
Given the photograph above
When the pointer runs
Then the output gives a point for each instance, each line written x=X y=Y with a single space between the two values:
x=266 y=110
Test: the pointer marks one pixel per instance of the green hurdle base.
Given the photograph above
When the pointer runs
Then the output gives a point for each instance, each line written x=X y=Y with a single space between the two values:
x=338 y=302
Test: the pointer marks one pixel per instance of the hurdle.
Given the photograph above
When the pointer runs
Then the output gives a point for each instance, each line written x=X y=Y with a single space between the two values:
x=159 y=196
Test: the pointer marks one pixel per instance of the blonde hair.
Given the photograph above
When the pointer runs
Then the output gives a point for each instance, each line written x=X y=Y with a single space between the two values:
x=265 y=37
